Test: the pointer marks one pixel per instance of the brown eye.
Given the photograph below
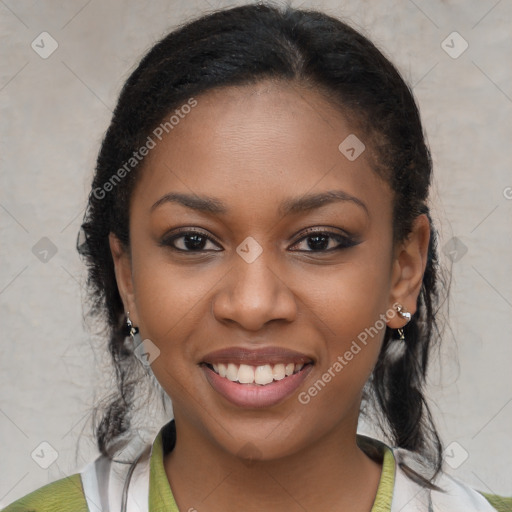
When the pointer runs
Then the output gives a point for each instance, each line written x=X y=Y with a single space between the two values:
x=190 y=241
x=326 y=241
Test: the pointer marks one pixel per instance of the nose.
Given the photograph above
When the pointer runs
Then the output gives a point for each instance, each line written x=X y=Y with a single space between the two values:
x=253 y=294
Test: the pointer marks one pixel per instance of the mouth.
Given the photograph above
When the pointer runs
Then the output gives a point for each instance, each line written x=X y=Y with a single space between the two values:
x=256 y=378
x=260 y=375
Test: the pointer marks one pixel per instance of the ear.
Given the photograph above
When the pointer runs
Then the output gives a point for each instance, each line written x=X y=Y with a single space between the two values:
x=409 y=265
x=123 y=270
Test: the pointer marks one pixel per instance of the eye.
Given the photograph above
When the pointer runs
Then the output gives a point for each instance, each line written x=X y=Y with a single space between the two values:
x=188 y=241
x=326 y=241
x=317 y=241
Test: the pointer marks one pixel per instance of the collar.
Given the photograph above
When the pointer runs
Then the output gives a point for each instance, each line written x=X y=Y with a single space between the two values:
x=161 y=498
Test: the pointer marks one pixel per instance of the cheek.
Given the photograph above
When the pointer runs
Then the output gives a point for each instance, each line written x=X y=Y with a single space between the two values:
x=349 y=306
x=170 y=304
x=349 y=297
x=170 y=299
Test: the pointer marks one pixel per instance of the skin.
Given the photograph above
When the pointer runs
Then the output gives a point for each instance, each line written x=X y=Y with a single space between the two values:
x=253 y=147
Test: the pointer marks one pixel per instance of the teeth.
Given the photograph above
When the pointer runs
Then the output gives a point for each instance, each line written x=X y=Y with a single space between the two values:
x=245 y=374
x=223 y=369
x=232 y=372
x=264 y=374
x=278 y=372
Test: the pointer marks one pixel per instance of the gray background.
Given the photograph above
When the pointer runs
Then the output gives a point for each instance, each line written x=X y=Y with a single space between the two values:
x=54 y=112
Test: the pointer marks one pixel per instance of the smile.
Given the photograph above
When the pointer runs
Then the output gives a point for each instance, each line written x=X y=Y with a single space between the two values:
x=257 y=377
x=268 y=392
x=261 y=375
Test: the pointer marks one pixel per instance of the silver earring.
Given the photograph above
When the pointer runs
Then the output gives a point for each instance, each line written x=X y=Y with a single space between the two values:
x=406 y=316
x=134 y=331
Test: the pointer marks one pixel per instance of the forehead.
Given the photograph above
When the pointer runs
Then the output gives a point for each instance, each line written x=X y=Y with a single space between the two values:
x=271 y=140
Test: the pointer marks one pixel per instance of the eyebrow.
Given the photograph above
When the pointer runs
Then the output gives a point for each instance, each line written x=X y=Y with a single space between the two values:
x=291 y=206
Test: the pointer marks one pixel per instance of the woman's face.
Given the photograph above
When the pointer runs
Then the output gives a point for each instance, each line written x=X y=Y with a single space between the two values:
x=272 y=276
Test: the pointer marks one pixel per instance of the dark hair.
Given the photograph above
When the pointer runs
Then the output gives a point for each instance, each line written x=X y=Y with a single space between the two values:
x=244 y=45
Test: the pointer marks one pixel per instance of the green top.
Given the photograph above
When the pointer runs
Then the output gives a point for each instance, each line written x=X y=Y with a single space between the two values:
x=67 y=493
x=162 y=500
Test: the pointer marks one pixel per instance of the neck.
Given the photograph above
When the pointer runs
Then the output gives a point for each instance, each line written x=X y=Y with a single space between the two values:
x=332 y=474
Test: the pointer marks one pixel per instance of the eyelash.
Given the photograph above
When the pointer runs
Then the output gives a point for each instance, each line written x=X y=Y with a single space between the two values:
x=344 y=242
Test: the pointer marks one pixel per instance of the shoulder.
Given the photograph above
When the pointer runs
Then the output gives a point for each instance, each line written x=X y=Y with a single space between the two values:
x=456 y=491
x=500 y=503
x=471 y=498
x=451 y=493
x=62 y=495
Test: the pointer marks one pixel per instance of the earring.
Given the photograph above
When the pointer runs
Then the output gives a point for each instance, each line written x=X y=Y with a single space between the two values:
x=134 y=331
x=406 y=316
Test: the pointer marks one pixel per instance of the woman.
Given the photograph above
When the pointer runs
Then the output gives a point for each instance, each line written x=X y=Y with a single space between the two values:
x=259 y=241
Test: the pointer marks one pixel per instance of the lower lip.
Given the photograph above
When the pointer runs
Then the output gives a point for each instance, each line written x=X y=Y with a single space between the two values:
x=254 y=395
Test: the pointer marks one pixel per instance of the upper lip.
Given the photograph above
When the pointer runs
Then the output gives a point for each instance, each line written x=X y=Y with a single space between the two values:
x=256 y=357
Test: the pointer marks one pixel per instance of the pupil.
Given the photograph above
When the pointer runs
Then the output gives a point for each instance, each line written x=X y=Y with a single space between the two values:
x=197 y=242
x=316 y=244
